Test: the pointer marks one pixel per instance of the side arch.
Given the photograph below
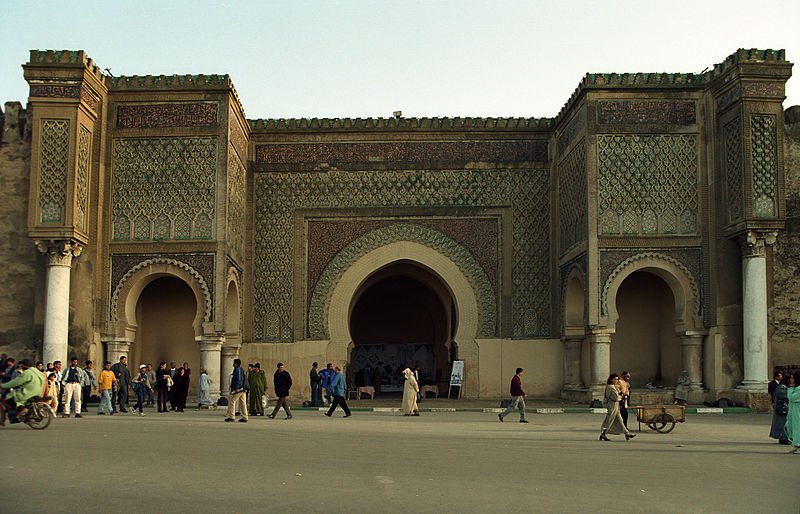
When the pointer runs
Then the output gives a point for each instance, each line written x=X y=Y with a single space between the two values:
x=127 y=291
x=688 y=305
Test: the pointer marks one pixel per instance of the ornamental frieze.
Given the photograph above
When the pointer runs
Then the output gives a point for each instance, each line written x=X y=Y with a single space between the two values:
x=198 y=114
x=446 y=151
x=55 y=91
x=651 y=112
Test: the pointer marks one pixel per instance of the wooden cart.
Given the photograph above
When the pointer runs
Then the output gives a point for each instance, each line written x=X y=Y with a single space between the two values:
x=661 y=418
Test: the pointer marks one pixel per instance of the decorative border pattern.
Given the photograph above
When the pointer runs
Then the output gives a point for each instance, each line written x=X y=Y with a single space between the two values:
x=573 y=199
x=165 y=115
x=53 y=169
x=172 y=262
x=82 y=178
x=732 y=139
x=55 y=91
x=487 y=306
x=765 y=165
x=640 y=112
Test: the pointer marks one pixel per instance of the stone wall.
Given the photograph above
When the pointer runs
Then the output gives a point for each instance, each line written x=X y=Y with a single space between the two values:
x=784 y=314
x=21 y=274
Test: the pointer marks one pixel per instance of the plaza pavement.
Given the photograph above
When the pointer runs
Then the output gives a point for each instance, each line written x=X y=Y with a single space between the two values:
x=384 y=462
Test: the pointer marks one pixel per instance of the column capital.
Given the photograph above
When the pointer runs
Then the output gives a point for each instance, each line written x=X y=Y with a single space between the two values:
x=59 y=253
x=754 y=242
x=600 y=334
x=231 y=351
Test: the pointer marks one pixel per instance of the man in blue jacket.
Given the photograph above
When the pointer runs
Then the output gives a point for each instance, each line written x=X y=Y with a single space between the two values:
x=239 y=388
x=326 y=375
x=338 y=388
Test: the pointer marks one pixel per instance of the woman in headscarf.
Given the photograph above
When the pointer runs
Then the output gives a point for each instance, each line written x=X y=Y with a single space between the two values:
x=793 y=416
x=181 y=388
x=410 y=390
x=613 y=423
x=204 y=390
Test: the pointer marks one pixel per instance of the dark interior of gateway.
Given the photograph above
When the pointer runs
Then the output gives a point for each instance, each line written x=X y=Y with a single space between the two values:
x=402 y=316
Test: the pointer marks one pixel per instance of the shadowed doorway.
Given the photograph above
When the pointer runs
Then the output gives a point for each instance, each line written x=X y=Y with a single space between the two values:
x=401 y=316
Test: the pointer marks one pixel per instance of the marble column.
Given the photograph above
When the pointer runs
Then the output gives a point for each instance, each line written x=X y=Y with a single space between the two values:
x=572 y=362
x=210 y=354
x=56 y=312
x=116 y=348
x=754 y=309
x=229 y=353
x=600 y=348
x=692 y=358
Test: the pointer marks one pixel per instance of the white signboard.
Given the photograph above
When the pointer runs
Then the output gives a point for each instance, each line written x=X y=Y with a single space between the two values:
x=457 y=375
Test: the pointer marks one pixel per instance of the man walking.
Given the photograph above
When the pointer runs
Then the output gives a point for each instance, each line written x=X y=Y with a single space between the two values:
x=517 y=398
x=105 y=385
x=314 y=378
x=326 y=375
x=239 y=388
x=282 y=381
x=338 y=388
x=91 y=381
x=120 y=370
x=72 y=379
x=151 y=378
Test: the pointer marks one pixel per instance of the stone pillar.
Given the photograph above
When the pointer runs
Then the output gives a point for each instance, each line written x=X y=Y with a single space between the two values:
x=56 y=313
x=210 y=350
x=754 y=309
x=229 y=353
x=692 y=358
x=600 y=346
x=116 y=348
x=572 y=362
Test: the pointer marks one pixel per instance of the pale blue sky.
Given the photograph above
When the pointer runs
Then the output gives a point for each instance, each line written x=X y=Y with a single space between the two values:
x=350 y=58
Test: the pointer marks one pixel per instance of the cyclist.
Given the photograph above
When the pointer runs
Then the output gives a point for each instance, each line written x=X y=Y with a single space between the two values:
x=26 y=386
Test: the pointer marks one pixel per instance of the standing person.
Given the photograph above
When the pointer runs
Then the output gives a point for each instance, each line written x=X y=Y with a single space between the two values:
x=326 y=375
x=172 y=372
x=91 y=382
x=410 y=390
x=624 y=394
x=141 y=384
x=238 y=393
x=315 y=380
x=338 y=388
x=613 y=423
x=151 y=377
x=780 y=408
x=40 y=366
x=162 y=386
x=777 y=377
x=120 y=370
x=517 y=397
x=72 y=378
x=417 y=377
x=257 y=380
x=793 y=415
x=51 y=389
x=282 y=381
x=105 y=385
x=180 y=388
x=204 y=390
x=59 y=389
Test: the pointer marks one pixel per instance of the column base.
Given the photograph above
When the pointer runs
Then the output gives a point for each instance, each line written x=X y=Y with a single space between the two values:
x=753 y=386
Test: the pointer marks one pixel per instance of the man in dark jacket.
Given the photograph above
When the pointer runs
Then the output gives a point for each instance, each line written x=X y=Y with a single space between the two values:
x=120 y=370
x=316 y=392
x=239 y=388
x=517 y=398
x=282 y=381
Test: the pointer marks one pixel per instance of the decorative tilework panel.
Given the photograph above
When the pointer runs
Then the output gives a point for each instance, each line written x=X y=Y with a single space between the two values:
x=640 y=176
x=572 y=199
x=82 y=178
x=163 y=182
x=732 y=138
x=765 y=167
x=652 y=112
x=53 y=169
x=201 y=114
x=278 y=195
x=447 y=151
x=236 y=201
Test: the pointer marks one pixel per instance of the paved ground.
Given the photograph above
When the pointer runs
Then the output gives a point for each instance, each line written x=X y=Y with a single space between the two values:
x=383 y=462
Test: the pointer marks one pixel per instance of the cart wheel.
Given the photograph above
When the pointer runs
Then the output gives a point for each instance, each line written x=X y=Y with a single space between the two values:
x=663 y=423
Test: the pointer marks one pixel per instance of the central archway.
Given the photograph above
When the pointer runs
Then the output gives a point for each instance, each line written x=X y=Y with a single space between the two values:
x=402 y=316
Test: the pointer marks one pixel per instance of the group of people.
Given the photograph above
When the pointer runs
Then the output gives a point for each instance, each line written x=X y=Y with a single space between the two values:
x=785 y=392
x=248 y=392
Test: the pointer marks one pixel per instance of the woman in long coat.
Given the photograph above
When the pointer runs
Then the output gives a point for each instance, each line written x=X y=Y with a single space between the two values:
x=613 y=423
x=780 y=406
x=793 y=417
x=204 y=390
x=258 y=385
x=410 y=390
x=181 y=388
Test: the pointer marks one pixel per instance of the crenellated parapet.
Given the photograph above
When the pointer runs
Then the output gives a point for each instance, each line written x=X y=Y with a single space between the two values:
x=201 y=81
x=61 y=58
x=390 y=124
